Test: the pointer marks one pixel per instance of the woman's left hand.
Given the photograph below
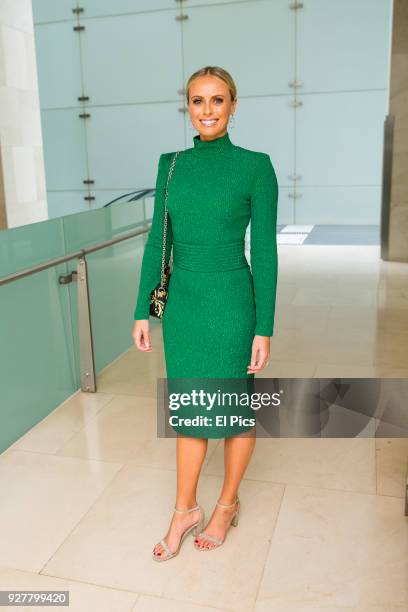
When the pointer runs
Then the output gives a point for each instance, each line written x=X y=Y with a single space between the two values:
x=260 y=354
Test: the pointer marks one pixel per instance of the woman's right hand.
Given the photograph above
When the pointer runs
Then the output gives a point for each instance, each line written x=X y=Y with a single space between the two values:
x=141 y=335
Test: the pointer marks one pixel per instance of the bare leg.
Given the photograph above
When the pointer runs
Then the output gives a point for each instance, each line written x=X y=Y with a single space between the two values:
x=237 y=453
x=190 y=455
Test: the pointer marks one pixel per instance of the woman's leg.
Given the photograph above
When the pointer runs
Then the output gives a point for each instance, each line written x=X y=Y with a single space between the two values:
x=237 y=453
x=190 y=455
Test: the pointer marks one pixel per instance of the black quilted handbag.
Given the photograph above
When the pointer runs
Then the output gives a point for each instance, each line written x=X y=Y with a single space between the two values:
x=159 y=295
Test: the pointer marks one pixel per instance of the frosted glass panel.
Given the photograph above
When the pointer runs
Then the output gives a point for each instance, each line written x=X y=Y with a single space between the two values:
x=29 y=245
x=340 y=138
x=37 y=365
x=97 y=8
x=113 y=275
x=348 y=205
x=132 y=58
x=36 y=358
x=343 y=45
x=125 y=143
x=252 y=40
x=141 y=209
x=205 y=2
x=64 y=149
x=39 y=351
x=58 y=64
x=62 y=203
x=267 y=124
x=53 y=10
x=286 y=206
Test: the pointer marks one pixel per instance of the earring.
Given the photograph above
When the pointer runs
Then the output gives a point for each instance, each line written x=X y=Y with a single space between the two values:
x=231 y=121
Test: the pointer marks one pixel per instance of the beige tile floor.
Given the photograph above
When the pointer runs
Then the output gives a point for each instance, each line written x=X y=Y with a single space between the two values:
x=89 y=490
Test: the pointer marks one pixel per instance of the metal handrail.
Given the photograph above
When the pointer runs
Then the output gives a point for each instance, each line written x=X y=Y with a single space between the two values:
x=86 y=345
x=81 y=253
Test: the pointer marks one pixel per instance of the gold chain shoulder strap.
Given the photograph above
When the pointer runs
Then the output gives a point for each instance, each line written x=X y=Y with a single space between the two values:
x=165 y=216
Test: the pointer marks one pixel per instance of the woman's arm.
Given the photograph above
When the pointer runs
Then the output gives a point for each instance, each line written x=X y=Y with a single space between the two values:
x=152 y=256
x=263 y=245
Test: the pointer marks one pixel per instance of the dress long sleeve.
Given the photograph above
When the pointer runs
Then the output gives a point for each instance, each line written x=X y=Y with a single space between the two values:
x=152 y=256
x=263 y=244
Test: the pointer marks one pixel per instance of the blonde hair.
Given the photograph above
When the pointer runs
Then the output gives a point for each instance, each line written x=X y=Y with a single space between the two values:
x=222 y=74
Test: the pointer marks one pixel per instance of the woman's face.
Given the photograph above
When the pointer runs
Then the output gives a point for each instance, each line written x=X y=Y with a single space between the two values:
x=210 y=106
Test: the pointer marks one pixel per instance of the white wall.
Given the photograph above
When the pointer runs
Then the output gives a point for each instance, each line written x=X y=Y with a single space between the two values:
x=21 y=149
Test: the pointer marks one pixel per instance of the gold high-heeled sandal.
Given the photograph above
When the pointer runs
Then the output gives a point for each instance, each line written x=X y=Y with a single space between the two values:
x=217 y=541
x=194 y=529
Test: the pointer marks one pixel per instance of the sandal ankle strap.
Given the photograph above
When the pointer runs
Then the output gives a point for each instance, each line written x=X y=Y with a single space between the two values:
x=228 y=505
x=186 y=510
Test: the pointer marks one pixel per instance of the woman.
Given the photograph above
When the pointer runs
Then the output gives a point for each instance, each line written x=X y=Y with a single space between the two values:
x=219 y=314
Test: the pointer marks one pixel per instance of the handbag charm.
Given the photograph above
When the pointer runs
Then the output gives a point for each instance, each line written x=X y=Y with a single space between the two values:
x=159 y=295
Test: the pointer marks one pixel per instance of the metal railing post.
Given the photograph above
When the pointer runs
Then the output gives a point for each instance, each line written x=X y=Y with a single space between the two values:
x=86 y=348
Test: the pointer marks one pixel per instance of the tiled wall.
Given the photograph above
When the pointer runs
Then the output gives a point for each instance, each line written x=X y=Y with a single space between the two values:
x=22 y=178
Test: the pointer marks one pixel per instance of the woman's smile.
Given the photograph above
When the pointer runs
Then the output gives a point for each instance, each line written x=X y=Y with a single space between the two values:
x=208 y=122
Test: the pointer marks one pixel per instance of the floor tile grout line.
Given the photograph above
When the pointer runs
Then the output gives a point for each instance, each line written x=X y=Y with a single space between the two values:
x=101 y=586
x=93 y=584
x=269 y=547
x=132 y=461
x=97 y=498
x=44 y=454
x=320 y=488
x=138 y=594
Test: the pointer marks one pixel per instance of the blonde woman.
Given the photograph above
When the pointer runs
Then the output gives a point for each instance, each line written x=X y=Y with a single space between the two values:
x=219 y=314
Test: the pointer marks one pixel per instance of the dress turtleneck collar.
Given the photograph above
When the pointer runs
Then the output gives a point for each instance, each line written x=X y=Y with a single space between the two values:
x=221 y=143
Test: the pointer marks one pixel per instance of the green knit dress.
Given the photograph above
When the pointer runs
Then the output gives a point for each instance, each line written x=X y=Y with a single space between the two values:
x=216 y=302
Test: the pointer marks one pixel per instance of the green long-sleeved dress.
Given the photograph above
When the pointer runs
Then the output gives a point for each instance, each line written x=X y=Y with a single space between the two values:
x=216 y=302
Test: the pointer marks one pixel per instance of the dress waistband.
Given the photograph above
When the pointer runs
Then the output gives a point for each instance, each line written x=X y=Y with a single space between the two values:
x=209 y=258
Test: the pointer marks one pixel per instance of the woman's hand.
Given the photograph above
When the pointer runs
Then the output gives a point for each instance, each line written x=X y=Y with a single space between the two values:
x=260 y=354
x=141 y=335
